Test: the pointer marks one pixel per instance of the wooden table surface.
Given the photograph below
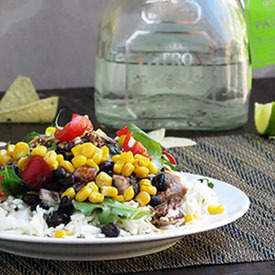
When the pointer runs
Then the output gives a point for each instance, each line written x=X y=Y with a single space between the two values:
x=72 y=101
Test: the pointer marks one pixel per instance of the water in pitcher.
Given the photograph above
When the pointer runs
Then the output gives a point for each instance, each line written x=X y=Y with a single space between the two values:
x=164 y=76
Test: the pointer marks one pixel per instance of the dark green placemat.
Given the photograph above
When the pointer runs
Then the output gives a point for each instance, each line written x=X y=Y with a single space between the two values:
x=244 y=161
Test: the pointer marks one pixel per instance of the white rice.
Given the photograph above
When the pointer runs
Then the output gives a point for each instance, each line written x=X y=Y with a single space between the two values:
x=17 y=218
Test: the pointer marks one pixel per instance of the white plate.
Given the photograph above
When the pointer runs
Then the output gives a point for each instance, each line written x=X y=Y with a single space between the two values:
x=235 y=201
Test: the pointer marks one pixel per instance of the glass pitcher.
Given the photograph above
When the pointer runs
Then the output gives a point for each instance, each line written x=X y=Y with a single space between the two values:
x=178 y=64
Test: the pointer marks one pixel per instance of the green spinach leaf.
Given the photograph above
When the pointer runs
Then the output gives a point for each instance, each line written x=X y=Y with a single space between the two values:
x=11 y=183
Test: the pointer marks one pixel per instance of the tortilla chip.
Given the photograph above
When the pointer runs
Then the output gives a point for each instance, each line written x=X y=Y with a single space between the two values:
x=172 y=142
x=21 y=92
x=41 y=111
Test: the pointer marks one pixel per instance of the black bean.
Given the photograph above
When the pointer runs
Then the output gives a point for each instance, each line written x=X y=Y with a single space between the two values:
x=136 y=188
x=66 y=205
x=60 y=172
x=106 y=166
x=56 y=218
x=31 y=199
x=78 y=185
x=110 y=230
x=68 y=180
x=52 y=185
x=44 y=205
x=159 y=182
x=155 y=200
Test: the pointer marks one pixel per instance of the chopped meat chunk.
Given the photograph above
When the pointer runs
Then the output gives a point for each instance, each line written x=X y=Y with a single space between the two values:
x=169 y=211
x=121 y=183
x=85 y=174
x=174 y=187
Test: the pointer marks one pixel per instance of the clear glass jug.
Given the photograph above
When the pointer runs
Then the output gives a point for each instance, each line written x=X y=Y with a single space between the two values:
x=178 y=64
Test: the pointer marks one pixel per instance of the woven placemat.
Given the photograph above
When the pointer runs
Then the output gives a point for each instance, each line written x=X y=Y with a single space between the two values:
x=244 y=161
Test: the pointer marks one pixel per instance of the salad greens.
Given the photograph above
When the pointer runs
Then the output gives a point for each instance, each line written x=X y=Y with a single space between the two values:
x=153 y=147
x=31 y=136
x=110 y=210
x=11 y=184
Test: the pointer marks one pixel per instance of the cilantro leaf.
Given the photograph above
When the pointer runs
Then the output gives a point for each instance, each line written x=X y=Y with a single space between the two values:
x=209 y=183
x=11 y=183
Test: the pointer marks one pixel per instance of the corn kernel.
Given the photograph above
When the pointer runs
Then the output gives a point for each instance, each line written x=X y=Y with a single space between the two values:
x=143 y=198
x=10 y=149
x=121 y=140
x=83 y=194
x=97 y=157
x=190 y=217
x=152 y=168
x=151 y=190
x=21 y=149
x=145 y=182
x=96 y=197
x=67 y=166
x=77 y=150
x=109 y=191
x=59 y=157
x=103 y=179
x=40 y=150
x=69 y=192
x=115 y=158
x=4 y=157
x=126 y=157
x=105 y=153
x=88 y=149
x=22 y=163
x=91 y=163
x=53 y=164
x=129 y=193
x=92 y=185
x=50 y=156
x=59 y=233
x=141 y=172
x=214 y=210
x=50 y=131
x=118 y=167
x=127 y=169
x=79 y=161
x=142 y=161
x=119 y=198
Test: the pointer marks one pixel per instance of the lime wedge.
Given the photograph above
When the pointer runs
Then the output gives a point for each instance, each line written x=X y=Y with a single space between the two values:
x=265 y=118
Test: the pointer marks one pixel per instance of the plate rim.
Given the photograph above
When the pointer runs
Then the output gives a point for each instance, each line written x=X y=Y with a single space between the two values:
x=177 y=233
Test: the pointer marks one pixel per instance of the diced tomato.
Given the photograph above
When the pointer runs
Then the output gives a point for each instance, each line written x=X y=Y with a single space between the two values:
x=75 y=128
x=170 y=157
x=36 y=173
x=126 y=146
x=122 y=131
x=138 y=148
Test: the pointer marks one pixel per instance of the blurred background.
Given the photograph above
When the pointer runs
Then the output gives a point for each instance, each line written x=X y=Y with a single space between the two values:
x=54 y=42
